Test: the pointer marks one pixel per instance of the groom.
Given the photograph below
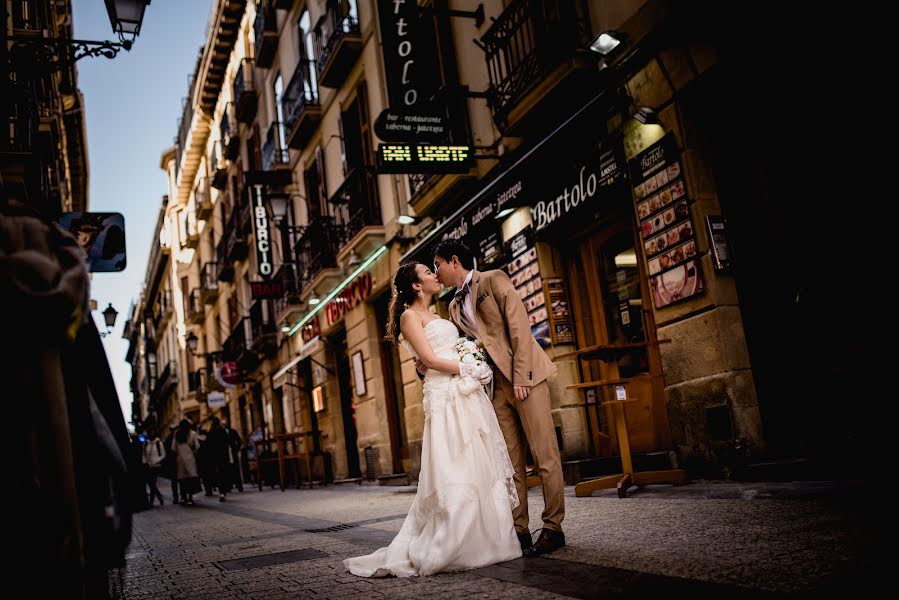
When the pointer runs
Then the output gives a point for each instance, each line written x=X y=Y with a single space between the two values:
x=487 y=307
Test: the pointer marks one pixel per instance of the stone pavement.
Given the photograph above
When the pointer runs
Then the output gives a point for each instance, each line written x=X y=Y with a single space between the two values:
x=706 y=539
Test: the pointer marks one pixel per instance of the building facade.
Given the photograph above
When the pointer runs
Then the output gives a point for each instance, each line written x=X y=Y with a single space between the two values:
x=592 y=175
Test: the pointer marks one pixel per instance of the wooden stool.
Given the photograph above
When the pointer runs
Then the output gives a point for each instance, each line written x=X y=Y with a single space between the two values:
x=628 y=477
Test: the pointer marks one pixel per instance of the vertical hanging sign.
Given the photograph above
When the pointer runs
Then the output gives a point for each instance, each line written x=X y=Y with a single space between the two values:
x=408 y=45
x=261 y=234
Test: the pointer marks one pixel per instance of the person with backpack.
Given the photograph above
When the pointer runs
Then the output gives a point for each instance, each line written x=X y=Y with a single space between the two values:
x=154 y=455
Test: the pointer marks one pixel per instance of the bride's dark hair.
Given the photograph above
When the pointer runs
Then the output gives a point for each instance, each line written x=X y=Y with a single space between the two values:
x=403 y=296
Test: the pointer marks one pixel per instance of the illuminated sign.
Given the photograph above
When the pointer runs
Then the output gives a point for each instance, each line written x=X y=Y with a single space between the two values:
x=311 y=330
x=410 y=54
x=261 y=234
x=351 y=296
x=424 y=158
x=267 y=290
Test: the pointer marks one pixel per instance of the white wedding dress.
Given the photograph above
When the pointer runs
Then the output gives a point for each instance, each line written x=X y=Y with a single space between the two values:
x=461 y=517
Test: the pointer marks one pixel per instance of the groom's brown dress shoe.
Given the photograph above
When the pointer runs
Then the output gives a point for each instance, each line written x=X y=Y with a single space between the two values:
x=525 y=540
x=549 y=541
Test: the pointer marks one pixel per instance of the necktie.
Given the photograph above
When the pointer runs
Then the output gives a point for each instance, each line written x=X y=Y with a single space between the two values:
x=467 y=319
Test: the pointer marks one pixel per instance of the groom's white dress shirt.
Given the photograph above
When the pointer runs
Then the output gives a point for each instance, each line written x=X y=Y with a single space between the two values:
x=466 y=312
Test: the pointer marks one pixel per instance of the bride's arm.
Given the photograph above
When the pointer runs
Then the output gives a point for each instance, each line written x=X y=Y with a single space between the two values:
x=414 y=332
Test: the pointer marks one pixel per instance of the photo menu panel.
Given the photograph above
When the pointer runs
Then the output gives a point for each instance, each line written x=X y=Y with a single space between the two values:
x=666 y=225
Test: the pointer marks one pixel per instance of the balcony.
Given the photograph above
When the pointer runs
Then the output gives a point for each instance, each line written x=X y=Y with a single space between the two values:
x=192 y=234
x=317 y=248
x=237 y=346
x=196 y=310
x=289 y=307
x=163 y=311
x=167 y=381
x=203 y=199
x=355 y=204
x=244 y=90
x=264 y=331
x=265 y=28
x=209 y=285
x=230 y=130
x=218 y=169
x=274 y=151
x=337 y=42
x=234 y=243
x=536 y=51
x=195 y=381
x=302 y=111
x=27 y=18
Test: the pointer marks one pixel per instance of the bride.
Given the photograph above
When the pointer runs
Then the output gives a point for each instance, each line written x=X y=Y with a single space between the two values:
x=461 y=517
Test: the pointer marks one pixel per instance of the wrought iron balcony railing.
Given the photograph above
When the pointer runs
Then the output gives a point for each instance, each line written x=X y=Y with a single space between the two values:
x=302 y=111
x=336 y=41
x=230 y=132
x=529 y=40
x=356 y=204
x=244 y=90
x=196 y=310
x=265 y=29
x=209 y=285
x=274 y=150
x=317 y=248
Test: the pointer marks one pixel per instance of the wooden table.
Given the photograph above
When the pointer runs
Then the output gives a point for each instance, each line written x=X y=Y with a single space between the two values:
x=282 y=455
x=628 y=477
x=617 y=418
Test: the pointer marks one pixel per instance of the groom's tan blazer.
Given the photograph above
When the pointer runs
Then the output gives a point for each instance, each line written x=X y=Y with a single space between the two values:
x=504 y=329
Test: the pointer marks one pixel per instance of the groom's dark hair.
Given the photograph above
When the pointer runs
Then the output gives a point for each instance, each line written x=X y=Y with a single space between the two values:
x=448 y=248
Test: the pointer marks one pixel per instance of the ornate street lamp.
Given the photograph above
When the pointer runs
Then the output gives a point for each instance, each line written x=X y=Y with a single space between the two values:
x=109 y=315
x=34 y=56
x=126 y=16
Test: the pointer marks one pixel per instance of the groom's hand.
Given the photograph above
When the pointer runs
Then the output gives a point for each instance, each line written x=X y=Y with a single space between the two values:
x=420 y=368
x=522 y=392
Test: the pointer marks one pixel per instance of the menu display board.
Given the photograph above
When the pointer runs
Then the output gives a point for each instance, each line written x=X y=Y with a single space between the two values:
x=666 y=226
x=560 y=326
x=524 y=271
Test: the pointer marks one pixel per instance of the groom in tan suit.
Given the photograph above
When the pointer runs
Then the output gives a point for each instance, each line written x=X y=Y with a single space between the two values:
x=487 y=307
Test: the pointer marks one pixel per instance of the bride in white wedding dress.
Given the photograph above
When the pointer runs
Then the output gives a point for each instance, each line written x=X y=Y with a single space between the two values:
x=461 y=517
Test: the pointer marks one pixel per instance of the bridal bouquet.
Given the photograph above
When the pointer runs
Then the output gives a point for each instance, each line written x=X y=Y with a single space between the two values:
x=469 y=351
x=473 y=363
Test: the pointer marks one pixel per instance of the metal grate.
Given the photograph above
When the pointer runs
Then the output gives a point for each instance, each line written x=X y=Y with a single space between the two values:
x=340 y=527
x=370 y=463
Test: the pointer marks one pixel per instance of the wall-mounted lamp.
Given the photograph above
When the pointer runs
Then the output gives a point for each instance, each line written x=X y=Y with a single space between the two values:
x=505 y=213
x=354 y=260
x=314 y=299
x=647 y=116
x=407 y=220
x=606 y=42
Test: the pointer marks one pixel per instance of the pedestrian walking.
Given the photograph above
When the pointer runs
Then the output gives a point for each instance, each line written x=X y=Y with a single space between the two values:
x=184 y=446
x=154 y=455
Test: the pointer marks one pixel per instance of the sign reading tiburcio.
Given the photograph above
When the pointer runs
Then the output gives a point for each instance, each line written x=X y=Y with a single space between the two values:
x=261 y=235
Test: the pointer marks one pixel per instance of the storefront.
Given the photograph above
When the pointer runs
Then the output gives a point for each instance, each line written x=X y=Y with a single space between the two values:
x=598 y=227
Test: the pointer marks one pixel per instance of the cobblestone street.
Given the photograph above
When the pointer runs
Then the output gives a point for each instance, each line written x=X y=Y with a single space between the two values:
x=718 y=540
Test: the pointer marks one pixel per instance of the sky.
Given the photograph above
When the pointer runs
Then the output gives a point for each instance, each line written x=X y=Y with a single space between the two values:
x=132 y=105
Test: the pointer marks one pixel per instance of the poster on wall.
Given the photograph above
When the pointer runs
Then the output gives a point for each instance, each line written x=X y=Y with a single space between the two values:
x=524 y=271
x=666 y=225
x=560 y=325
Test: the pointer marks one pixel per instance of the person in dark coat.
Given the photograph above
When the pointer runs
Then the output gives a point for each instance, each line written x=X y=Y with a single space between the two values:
x=218 y=457
x=234 y=467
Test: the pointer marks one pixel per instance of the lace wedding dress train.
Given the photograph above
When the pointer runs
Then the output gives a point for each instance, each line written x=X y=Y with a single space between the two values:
x=461 y=517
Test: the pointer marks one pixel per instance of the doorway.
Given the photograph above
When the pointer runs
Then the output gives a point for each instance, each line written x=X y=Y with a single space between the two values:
x=611 y=306
x=347 y=406
x=394 y=399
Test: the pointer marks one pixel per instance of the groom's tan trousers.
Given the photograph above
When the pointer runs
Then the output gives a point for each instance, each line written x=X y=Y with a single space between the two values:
x=531 y=419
